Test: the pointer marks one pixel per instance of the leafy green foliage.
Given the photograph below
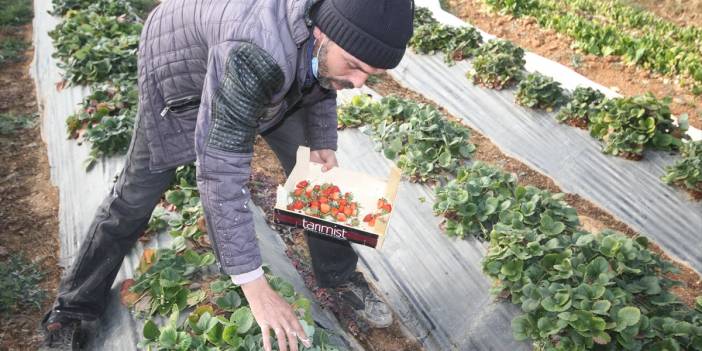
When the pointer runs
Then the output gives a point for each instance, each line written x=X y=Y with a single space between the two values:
x=456 y=43
x=20 y=280
x=96 y=48
x=578 y=290
x=9 y=122
x=167 y=280
x=616 y=29
x=134 y=9
x=423 y=16
x=423 y=143
x=629 y=125
x=15 y=12
x=512 y=7
x=497 y=64
x=357 y=112
x=107 y=115
x=12 y=50
x=584 y=103
x=472 y=201
x=687 y=172
x=539 y=91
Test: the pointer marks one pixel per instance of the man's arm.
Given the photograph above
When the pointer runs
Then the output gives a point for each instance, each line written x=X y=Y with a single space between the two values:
x=241 y=82
x=322 y=123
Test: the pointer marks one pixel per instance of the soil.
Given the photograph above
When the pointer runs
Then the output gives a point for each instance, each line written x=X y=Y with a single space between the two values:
x=593 y=217
x=682 y=12
x=266 y=175
x=29 y=211
x=608 y=71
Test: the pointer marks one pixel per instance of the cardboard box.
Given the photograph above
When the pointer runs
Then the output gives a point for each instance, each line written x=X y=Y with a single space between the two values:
x=366 y=191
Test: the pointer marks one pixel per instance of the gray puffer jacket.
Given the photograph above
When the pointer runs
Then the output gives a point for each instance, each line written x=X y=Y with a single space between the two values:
x=212 y=74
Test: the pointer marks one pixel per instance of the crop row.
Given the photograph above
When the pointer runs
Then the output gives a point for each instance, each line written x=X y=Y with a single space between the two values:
x=657 y=50
x=626 y=126
x=578 y=290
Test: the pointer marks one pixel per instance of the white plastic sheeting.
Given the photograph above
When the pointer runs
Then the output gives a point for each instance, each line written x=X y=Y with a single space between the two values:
x=434 y=283
x=629 y=190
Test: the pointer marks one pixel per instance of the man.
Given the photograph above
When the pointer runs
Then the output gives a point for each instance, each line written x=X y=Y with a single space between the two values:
x=213 y=73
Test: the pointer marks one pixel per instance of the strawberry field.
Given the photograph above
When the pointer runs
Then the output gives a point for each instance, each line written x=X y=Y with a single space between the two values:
x=538 y=209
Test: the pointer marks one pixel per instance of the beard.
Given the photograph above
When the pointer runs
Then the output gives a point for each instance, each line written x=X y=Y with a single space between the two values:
x=325 y=81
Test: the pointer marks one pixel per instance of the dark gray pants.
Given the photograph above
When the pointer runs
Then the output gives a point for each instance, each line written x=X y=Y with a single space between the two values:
x=125 y=213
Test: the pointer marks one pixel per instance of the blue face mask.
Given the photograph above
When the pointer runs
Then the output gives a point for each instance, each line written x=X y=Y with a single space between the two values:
x=315 y=61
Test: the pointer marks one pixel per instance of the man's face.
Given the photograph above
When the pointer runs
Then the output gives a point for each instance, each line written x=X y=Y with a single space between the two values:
x=337 y=68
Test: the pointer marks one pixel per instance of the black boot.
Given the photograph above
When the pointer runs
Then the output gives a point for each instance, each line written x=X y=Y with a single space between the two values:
x=60 y=332
x=367 y=305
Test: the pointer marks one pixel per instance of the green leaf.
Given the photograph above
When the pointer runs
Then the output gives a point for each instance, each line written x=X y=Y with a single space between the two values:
x=243 y=319
x=230 y=301
x=151 y=331
x=229 y=335
x=523 y=327
x=628 y=316
x=168 y=337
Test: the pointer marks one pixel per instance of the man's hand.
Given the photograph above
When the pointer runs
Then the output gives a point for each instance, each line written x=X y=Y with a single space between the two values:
x=272 y=312
x=326 y=157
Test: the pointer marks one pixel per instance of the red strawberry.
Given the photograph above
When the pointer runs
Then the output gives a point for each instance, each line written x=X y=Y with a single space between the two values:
x=324 y=208
x=334 y=211
x=387 y=208
x=323 y=200
x=368 y=217
x=303 y=184
x=340 y=217
x=335 y=195
x=297 y=205
x=298 y=191
x=348 y=211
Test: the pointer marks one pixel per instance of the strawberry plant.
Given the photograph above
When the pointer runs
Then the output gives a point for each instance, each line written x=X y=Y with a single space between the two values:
x=471 y=202
x=95 y=48
x=456 y=43
x=423 y=16
x=512 y=7
x=497 y=64
x=584 y=103
x=629 y=125
x=12 y=50
x=131 y=8
x=424 y=144
x=20 y=279
x=166 y=281
x=687 y=172
x=229 y=324
x=325 y=201
x=106 y=119
x=539 y=91
x=15 y=12
x=355 y=113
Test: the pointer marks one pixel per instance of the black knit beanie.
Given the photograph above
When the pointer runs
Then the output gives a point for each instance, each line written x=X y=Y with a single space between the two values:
x=374 y=31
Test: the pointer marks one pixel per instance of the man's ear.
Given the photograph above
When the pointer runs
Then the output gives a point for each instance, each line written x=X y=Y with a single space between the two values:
x=318 y=34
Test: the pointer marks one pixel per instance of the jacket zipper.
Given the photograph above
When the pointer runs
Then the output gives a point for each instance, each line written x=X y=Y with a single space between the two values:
x=181 y=105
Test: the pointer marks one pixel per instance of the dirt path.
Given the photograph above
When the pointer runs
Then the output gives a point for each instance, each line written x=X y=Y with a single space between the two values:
x=609 y=71
x=28 y=200
x=682 y=12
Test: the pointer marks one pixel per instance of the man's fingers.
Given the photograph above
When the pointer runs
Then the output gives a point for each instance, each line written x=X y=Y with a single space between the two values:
x=266 y=332
x=300 y=332
x=280 y=335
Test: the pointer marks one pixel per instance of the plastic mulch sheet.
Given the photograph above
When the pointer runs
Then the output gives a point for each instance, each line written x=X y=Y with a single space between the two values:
x=629 y=190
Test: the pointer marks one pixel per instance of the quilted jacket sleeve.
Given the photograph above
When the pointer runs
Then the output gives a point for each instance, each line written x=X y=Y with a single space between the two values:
x=241 y=81
x=322 y=123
